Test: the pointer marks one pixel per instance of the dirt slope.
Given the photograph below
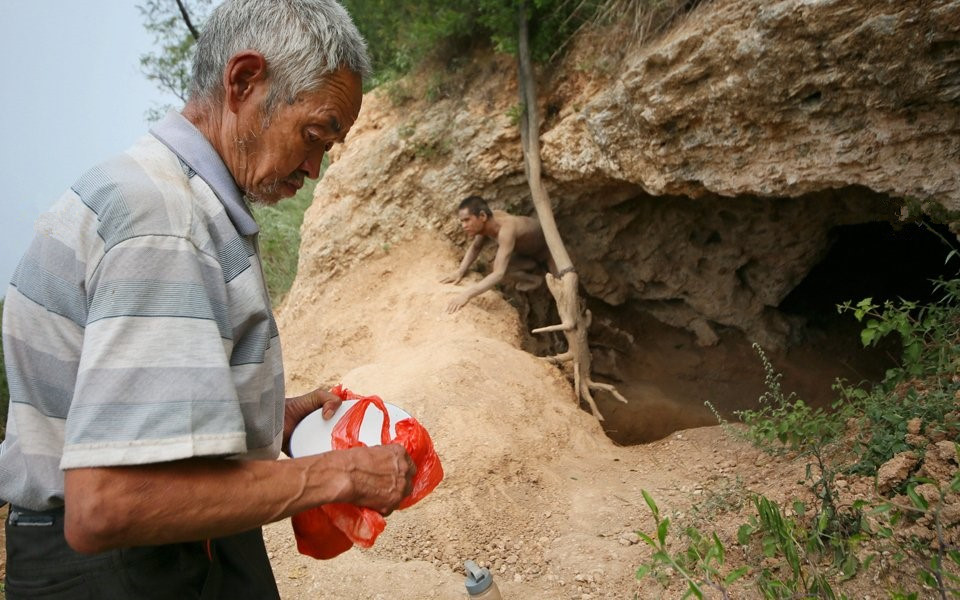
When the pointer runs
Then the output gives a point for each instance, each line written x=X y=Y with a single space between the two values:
x=533 y=487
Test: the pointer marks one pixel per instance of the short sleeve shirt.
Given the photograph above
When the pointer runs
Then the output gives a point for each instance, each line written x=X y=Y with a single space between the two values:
x=137 y=327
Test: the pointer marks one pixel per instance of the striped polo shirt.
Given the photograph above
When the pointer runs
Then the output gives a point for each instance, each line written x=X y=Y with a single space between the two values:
x=137 y=327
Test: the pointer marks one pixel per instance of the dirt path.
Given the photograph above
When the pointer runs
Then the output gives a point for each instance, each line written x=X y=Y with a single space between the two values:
x=533 y=487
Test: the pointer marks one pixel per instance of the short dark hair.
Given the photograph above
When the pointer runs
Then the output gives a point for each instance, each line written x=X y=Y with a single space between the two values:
x=476 y=205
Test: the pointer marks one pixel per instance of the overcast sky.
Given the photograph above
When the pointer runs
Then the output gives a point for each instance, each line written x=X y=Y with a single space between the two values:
x=72 y=94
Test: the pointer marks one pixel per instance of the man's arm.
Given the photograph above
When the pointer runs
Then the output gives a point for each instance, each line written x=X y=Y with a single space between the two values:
x=472 y=253
x=506 y=240
x=198 y=498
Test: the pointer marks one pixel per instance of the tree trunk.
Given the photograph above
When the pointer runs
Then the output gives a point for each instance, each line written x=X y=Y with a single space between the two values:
x=574 y=317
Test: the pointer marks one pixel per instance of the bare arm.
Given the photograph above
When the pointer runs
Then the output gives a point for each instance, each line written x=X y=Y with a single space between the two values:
x=199 y=498
x=505 y=244
x=207 y=497
x=472 y=253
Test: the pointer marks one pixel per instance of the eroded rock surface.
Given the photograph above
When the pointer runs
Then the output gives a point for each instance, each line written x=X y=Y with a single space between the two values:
x=700 y=176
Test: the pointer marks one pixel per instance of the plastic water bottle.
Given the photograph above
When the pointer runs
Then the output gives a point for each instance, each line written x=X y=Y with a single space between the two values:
x=480 y=583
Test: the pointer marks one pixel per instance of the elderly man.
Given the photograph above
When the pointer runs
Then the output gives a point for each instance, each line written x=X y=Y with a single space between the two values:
x=147 y=407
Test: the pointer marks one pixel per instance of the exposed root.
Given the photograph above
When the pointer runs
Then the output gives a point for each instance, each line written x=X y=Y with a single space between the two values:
x=575 y=321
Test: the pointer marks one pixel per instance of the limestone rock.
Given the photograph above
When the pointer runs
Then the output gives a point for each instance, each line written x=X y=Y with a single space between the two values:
x=699 y=177
x=895 y=471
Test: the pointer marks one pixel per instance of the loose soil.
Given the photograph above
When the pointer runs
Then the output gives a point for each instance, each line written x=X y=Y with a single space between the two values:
x=534 y=489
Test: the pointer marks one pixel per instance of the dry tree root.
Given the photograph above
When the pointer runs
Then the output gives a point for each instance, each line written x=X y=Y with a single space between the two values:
x=574 y=323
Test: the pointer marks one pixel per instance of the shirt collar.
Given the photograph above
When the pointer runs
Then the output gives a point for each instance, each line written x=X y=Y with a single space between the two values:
x=183 y=139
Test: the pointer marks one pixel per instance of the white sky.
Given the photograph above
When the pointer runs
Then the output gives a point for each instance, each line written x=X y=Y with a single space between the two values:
x=72 y=94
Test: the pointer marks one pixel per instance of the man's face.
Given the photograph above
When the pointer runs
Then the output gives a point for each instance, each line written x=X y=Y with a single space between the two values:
x=471 y=224
x=274 y=159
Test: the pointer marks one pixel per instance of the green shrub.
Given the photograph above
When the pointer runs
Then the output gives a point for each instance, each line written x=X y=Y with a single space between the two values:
x=925 y=386
x=701 y=563
x=806 y=553
x=401 y=35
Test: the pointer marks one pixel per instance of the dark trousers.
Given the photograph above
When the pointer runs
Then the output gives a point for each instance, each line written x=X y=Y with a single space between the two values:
x=40 y=564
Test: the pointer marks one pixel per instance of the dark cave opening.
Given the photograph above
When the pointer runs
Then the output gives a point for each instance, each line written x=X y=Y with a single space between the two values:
x=876 y=260
x=669 y=378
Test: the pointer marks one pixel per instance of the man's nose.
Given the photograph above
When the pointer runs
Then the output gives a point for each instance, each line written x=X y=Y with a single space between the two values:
x=311 y=166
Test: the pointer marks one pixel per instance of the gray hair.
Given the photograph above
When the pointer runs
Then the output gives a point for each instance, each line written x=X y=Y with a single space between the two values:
x=302 y=41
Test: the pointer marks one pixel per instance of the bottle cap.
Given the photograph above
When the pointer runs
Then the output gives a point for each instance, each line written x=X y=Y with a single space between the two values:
x=478 y=579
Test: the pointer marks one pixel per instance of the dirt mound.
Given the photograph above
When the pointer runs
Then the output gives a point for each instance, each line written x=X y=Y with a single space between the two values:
x=533 y=487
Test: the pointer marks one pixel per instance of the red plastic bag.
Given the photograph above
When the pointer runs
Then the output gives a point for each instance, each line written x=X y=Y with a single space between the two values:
x=331 y=529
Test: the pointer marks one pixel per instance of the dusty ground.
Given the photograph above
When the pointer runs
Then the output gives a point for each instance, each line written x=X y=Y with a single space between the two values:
x=533 y=487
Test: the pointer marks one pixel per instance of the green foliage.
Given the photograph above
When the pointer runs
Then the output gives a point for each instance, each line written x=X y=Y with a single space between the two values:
x=514 y=113
x=923 y=387
x=785 y=422
x=169 y=66
x=937 y=564
x=929 y=334
x=805 y=554
x=280 y=238
x=701 y=563
x=401 y=35
x=799 y=548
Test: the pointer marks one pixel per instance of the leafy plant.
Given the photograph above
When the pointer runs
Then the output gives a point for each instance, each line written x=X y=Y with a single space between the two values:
x=938 y=561
x=701 y=564
x=169 y=66
x=799 y=547
x=923 y=387
x=784 y=422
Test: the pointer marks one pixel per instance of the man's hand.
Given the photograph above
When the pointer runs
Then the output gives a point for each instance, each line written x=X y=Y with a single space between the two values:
x=454 y=279
x=299 y=407
x=457 y=303
x=380 y=476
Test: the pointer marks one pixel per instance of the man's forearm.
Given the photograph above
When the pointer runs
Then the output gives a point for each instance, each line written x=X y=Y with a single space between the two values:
x=194 y=499
x=487 y=283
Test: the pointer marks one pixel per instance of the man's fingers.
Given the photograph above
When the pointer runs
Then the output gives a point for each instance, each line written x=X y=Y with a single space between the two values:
x=329 y=401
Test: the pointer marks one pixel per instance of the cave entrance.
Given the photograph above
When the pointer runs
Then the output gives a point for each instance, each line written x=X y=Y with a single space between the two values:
x=667 y=377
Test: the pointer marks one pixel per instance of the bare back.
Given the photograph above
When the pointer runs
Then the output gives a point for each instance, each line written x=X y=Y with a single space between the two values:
x=529 y=239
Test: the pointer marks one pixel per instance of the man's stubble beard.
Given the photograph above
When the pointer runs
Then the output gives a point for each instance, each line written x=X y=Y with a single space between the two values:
x=257 y=196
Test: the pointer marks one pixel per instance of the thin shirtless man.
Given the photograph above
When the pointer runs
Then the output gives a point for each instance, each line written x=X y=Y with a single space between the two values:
x=522 y=251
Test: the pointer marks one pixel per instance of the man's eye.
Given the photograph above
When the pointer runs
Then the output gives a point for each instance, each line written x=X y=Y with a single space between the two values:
x=312 y=137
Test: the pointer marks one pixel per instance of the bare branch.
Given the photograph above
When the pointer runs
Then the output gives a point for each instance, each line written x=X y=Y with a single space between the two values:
x=560 y=327
x=186 y=19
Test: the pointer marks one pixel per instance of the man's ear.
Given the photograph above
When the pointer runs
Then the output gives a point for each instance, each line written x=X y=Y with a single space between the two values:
x=245 y=71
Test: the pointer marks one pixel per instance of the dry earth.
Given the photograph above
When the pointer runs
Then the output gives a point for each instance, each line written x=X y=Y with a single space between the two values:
x=533 y=487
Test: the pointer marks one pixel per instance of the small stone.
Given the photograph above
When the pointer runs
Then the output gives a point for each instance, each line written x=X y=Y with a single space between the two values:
x=629 y=538
x=913 y=425
x=517 y=578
